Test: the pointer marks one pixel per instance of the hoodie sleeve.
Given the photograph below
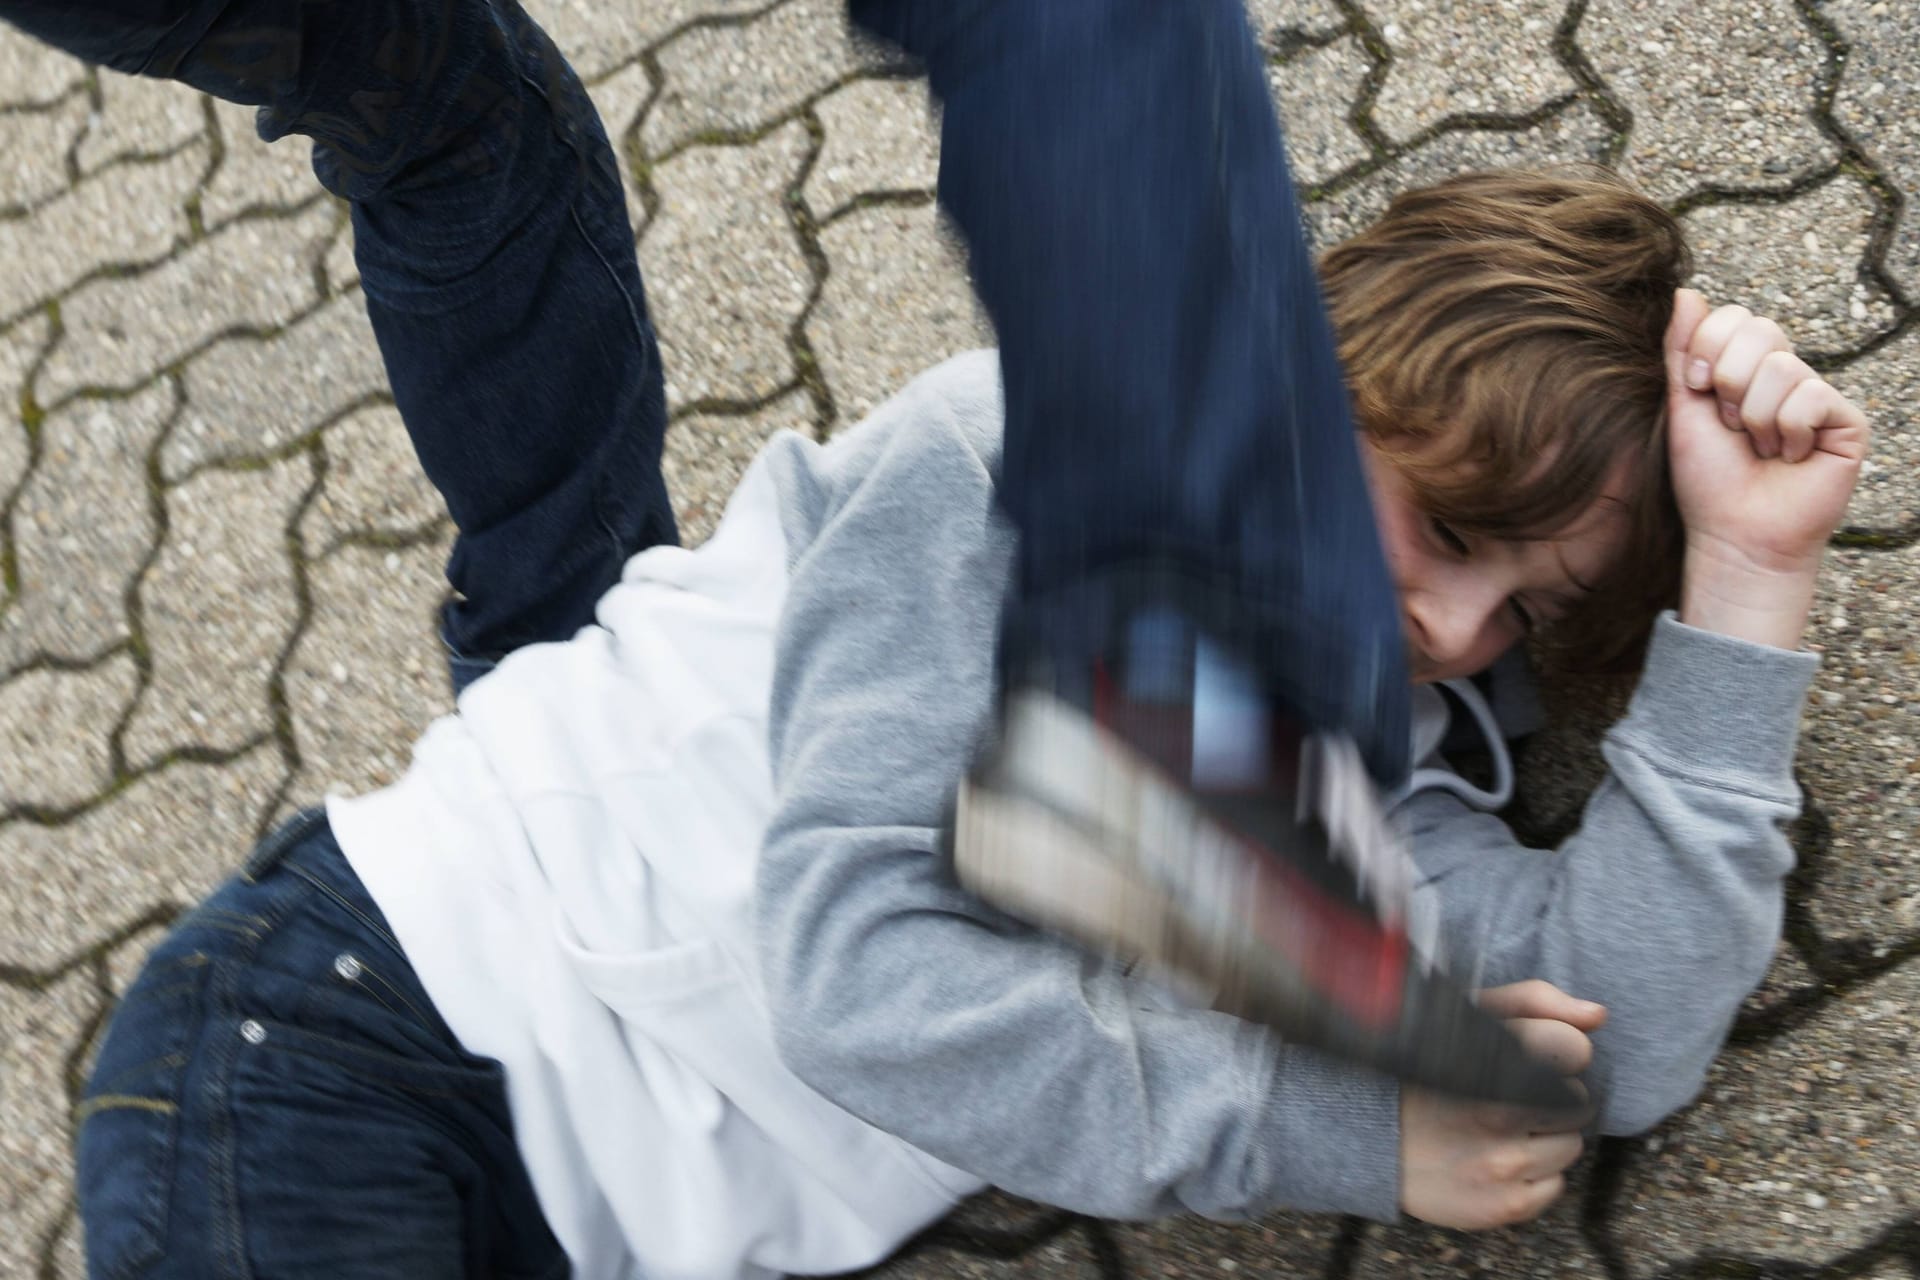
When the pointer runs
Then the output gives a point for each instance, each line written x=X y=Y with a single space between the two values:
x=984 y=1043
x=1666 y=904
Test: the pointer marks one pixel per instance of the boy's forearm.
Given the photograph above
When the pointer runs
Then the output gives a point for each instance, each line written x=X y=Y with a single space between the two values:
x=1666 y=905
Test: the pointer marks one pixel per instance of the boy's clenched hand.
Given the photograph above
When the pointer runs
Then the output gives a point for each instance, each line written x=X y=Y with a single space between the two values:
x=1476 y=1165
x=1765 y=454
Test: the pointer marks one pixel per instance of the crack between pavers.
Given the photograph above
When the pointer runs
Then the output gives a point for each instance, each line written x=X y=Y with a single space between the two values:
x=1463 y=123
x=1593 y=88
x=1349 y=1244
x=34 y=980
x=32 y=418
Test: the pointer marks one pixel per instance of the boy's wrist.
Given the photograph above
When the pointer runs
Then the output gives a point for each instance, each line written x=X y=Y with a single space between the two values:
x=1768 y=606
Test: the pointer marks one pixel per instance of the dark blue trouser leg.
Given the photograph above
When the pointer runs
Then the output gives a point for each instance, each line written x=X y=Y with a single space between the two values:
x=1178 y=429
x=495 y=257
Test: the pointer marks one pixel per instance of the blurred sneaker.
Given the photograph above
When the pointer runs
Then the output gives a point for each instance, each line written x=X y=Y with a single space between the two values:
x=1180 y=821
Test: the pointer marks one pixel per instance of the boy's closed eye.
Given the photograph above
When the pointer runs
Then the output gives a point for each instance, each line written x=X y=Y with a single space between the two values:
x=1524 y=614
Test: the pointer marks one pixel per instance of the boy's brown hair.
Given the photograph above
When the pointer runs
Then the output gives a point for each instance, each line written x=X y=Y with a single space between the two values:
x=1503 y=337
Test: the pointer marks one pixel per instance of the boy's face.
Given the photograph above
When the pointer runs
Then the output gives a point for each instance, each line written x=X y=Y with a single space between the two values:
x=1465 y=599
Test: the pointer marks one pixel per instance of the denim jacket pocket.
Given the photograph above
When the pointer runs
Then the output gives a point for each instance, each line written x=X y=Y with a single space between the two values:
x=127 y=1122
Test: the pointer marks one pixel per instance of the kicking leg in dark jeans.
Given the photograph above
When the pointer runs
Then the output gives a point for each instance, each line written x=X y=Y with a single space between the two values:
x=276 y=1094
x=495 y=257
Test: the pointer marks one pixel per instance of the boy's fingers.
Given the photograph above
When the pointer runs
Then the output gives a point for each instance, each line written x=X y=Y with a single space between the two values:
x=1532 y=1199
x=1773 y=381
x=1536 y=998
x=1735 y=369
x=1563 y=1047
x=1689 y=309
x=1709 y=339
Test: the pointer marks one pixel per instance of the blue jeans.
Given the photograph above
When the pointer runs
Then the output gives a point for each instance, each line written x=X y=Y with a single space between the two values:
x=276 y=1097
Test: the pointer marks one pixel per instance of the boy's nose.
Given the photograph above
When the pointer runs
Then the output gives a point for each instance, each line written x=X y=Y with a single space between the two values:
x=1448 y=628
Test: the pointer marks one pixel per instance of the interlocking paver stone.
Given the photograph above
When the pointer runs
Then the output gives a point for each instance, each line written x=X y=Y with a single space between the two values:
x=1315 y=91
x=219 y=607
x=1466 y=57
x=18 y=350
x=368 y=674
x=734 y=78
x=881 y=136
x=247 y=396
x=166 y=838
x=599 y=35
x=1799 y=1149
x=374 y=484
x=1862 y=745
x=83 y=527
x=1798 y=262
x=1721 y=91
x=706 y=455
x=130 y=213
x=1886 y=384
x=896 y=301
x=33 y=151
x=54 y=727
x=32 y=73
x=120 y=331
x=139 y=116
x=726 y=277
x=1576 y=134
x=37 y=1029
x=1879 y=103
x=252 y=174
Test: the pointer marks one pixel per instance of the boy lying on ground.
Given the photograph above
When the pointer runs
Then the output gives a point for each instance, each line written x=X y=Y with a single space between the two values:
x=649 y=965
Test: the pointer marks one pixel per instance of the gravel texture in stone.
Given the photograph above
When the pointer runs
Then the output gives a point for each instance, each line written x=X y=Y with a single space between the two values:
x=1548 y=1247
x=1886 y=385
x=1721 y=91
x=167 y=838
x=1466 y=57
x=250 y=275
x=1576 y=134
x=83 y=527
x=734 y=78
x=131 y=213
x=341 y=271
x=619 y=99
x=369 y=673
x=1879 y=104
x=18 y=350
x=219 y=607
x=249 y=396
x=37 y=1031
x=599 y=35
x=1798 y=262
x=54 y=727
x=33 y=73
x=1314 y=92
x=881 y=135
x=252 y=174
x=897 y=301
x=1282 y=25
x=725 y=275
x=139 y=116
x=33 y=151
x=374 y=484
x=706 y=455
x=1860 y=748
x=1797 y=1147
x=1278 y=1247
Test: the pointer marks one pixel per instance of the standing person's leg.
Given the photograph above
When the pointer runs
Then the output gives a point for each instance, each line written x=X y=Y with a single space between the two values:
x=1178 y=435
x=495 y=257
